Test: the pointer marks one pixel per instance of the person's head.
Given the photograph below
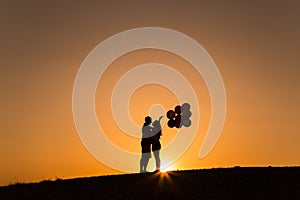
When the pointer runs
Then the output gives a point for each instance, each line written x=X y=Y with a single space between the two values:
x=148 y=120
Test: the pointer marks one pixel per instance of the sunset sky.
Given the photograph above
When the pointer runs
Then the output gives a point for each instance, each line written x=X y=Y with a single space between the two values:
x=255 y=44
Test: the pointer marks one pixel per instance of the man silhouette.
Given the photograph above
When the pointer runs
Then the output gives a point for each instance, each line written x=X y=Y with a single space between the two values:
x=146 y=143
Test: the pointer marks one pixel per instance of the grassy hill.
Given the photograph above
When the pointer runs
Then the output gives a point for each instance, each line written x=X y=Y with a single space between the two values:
x=223 y=183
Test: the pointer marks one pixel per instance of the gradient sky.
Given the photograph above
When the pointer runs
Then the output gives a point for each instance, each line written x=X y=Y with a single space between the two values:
x=255 y=45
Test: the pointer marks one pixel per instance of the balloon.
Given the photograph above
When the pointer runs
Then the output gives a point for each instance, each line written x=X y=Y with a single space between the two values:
x=186 y=122
x=185 y=107
x=178 y=121
x=178 y=109
x=186 y=115
x=170 y=114
x=171 y=123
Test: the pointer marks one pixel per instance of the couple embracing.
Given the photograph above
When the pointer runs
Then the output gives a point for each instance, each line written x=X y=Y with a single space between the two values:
x=151 y=133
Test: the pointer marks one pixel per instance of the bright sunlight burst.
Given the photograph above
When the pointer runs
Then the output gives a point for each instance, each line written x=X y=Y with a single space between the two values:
x=167 y=168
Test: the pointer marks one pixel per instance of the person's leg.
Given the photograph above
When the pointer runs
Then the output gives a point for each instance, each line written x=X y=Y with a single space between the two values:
x=142 y=157
x=146 y=160
x=157 y=159
x=146 y=155
x=142 y=164
x=156 y=146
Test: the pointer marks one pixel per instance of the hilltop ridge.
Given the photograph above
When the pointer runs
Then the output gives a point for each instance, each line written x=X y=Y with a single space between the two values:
x=233 y=183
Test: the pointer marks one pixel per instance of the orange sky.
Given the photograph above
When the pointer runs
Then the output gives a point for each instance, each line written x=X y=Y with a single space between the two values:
x=255 y=46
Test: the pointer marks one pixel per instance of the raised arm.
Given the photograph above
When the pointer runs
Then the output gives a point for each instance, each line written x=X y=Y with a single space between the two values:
x=160 y=118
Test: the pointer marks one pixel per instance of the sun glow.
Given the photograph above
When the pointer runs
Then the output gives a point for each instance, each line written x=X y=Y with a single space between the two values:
x=167 y=168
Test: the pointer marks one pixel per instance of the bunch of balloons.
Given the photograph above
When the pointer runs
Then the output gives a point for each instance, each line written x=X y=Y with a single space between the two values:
x=180 y=116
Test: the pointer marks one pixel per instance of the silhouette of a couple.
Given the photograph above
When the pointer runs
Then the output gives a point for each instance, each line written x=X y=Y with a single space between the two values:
x=150 y=141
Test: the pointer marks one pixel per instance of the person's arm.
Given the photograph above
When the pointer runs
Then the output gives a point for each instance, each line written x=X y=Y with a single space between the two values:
x=160 y=118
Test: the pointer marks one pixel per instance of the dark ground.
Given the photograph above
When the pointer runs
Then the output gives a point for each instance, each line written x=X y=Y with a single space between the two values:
x=224 y=183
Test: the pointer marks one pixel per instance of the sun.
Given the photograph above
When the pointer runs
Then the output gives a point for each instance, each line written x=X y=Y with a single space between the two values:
x=167 y=168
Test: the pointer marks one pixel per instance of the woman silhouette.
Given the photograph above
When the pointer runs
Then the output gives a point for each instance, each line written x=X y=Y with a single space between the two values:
x=156 y=146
